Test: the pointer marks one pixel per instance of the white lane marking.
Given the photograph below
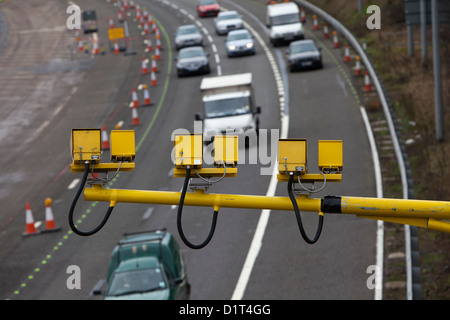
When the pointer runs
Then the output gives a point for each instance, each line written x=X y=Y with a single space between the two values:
x=73 y=184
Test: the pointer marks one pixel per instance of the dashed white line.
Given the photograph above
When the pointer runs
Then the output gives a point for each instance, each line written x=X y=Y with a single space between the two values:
x=73 y=184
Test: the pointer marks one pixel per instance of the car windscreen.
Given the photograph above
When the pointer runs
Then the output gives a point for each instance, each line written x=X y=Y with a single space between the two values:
x=238 y=36
x=207 y=2
x=227 y=107
x=228 y=17
x=304 y=47
x=284 y=19
x=89 y=15
x=136 y=281
x=183 y=31
x=186 y=54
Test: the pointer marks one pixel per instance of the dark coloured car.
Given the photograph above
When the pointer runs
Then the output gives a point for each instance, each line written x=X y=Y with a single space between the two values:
x=187 y=36
x=147 y=266
x=303 y=54
x=207 y=8
x=192 y=60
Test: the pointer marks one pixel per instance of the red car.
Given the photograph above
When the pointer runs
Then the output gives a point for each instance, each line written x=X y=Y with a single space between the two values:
x=207 y=8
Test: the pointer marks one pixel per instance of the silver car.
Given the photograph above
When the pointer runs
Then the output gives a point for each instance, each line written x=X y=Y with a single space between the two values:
x=227 y=21
x=240 y=42
x=187 y=36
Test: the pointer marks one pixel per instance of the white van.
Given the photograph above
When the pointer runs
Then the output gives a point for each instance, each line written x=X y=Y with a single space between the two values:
x=283 y=19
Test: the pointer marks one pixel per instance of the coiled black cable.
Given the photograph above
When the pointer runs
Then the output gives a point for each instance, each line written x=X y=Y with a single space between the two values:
x=74 y=202
x=299 y=218
x=179 y=214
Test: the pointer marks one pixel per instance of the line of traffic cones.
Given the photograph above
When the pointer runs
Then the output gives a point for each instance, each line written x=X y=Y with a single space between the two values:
x=30 y=226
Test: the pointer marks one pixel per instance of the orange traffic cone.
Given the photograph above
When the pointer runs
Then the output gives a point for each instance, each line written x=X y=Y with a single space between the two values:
x=153 y=78
x=96 y=51
x=357 y=66
x=326 y=35
x=302 y=16
x=147 y=100
x=368 y=86
x=146 y=29
x=157 y=54
x=144 y=66
x=315 y=23
x=116 y=48
x=158 y=43
x=105 y=140
x=135 y=99
x=149 y=45
x=157 y=33
x=80 y=46
x=111 y=23
x=347 y=53
x=335 y=40
x=154 y=66
x=30 y=229
x=50 y=225
x=135 y=116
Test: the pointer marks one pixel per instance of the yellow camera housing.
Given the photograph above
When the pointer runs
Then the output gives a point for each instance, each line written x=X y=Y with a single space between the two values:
x=188 y=150
x=86 y=145
x=226 y=150
x=330 y=155
x=123 y=146
x=292 y=155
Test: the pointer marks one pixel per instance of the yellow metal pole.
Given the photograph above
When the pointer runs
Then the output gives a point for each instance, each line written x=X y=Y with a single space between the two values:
x=399 y=208
x=200 y=198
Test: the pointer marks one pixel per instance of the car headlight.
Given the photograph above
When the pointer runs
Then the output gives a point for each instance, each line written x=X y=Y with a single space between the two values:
x=232 y=47
x=249 y=45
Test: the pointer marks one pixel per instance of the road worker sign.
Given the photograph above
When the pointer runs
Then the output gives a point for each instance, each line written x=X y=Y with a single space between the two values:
x=115 y=33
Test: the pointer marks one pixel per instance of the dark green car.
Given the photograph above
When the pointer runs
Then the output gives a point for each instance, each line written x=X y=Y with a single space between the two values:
x=147 y=266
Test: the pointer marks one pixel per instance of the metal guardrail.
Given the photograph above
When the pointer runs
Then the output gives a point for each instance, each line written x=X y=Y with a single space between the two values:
x=414 y=288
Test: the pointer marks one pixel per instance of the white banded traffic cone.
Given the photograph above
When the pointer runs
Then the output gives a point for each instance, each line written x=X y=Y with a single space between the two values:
x=135 y=116
x=315 y=23
x=144 y=66
x=149 y=45
x=153 y=78
x=347 y=53
x=105 y=139
x=154 y=66
x=157 y=54
x=335 y=40
x=147 y=100
x=326 y=34
x=30 y=229
x=134 y=98
x=116 y=48
x=50 y=225
x=357 y=66
x=302 y=15
x=367 y=84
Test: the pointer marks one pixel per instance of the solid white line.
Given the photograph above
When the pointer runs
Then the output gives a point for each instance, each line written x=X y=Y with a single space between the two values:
x=256 y=244
x=380 y=224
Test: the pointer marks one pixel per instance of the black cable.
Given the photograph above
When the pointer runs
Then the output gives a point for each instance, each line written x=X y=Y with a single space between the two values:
x=299 y=218
x=180 y=210
x=74 y=202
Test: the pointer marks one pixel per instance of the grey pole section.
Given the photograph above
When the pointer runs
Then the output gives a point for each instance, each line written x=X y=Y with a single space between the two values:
x=410 y=35
x=359 y=6
x=423 y=30
x=439 y=111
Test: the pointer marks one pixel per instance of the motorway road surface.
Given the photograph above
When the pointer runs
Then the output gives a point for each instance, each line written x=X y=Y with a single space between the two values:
x=47 y=88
